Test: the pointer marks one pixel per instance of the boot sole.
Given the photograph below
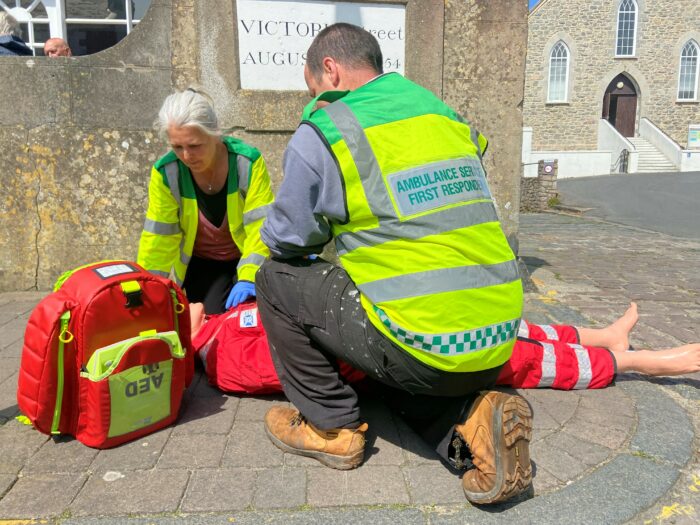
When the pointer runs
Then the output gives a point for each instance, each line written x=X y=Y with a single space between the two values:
x=330 y=460
x=512 y=434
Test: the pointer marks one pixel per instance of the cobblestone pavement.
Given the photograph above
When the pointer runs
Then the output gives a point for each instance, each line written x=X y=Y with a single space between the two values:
x=628 y=453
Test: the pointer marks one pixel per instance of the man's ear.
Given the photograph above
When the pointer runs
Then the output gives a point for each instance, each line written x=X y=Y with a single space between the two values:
x=332 y=69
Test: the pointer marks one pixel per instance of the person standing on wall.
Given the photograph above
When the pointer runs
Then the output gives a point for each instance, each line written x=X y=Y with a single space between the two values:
x=207 y=200
x=428 y=299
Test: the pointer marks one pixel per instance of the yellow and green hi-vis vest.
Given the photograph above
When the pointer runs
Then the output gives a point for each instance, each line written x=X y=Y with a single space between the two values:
x=422 y=243
x=170 y=229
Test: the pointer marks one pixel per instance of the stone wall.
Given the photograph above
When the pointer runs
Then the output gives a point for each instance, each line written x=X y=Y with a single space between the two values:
x=484 y=63
x=78 y=141
x=588 y=27
x=537 y=193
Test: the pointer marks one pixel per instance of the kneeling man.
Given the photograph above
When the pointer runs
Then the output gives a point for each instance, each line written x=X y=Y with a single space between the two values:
x=428 y=300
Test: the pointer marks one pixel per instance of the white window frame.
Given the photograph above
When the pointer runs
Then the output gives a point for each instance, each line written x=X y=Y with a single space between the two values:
x=692 y=43
x=566 y=49
x=57 y=21
x=634 y=29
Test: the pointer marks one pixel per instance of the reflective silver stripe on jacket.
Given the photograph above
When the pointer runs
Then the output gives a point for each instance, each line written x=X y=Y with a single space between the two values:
x=253 y=215
x=549 y=366
x=524 y=330
x=243 y=166
x=363 y=156
x=585 y=372
x=392 y=229
x=172 y=174
x=549 y=331
x=254 y=258
x=184 y=258
x=453 y=343
x=161 y=228
x=439 y=281
x=160 y=273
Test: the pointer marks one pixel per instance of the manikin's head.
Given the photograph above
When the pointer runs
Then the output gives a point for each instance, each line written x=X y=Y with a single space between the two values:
x=342 y=57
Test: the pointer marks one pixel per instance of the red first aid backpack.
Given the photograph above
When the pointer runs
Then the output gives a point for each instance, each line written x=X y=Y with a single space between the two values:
x=107 y=356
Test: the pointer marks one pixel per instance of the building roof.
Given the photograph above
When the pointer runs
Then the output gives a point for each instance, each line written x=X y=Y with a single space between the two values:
x=537 y=7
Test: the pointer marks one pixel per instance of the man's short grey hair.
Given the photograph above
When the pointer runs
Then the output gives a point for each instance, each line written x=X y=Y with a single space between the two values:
x=348 y=45
x=191 y=107
x=9 y=25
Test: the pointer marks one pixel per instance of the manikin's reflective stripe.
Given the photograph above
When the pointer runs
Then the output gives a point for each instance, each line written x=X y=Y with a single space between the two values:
x=550 y=332
x=549 y=366
x=540 y=360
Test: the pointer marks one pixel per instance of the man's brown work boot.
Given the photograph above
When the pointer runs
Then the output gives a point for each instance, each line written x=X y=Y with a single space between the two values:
x=340 y=448
x=498 y=432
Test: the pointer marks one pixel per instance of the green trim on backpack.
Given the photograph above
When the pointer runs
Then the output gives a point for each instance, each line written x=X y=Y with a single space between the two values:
x=105 y=360
x=64 y=336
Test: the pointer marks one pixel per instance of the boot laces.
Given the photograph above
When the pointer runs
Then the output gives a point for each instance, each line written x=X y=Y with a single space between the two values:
x=297 y=419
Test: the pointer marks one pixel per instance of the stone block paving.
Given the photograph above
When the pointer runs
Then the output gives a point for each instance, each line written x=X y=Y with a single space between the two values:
x=625 y=453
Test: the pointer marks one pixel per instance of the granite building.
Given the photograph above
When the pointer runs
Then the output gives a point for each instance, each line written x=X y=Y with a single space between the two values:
x=612 y=85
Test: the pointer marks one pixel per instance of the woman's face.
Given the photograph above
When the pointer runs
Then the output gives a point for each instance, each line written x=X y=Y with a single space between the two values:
x=194 y=147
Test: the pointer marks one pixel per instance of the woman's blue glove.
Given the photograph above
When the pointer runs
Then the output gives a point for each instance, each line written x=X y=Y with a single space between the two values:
x=241 y=291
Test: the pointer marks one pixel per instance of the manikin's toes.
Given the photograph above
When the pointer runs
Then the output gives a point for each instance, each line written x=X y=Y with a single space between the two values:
x=619 y=331
x=615 y=337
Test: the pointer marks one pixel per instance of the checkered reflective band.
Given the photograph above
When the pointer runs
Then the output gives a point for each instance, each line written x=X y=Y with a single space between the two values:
x=455 y=343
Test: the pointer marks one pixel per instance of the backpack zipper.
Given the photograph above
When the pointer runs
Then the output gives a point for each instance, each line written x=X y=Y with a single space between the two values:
x=64 y=337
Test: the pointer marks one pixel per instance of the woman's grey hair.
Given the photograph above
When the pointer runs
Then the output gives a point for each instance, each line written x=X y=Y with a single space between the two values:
x=9 y=25
x=188 y=108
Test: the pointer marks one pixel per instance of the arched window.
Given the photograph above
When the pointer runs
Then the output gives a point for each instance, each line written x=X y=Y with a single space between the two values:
x=88 y=26
x=558 y=73
x=626 y=29
x=688 y=78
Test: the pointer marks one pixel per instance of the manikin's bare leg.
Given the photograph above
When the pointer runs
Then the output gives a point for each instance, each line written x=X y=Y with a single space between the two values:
x=669 y=362
x=614 y=337
x=196 y=317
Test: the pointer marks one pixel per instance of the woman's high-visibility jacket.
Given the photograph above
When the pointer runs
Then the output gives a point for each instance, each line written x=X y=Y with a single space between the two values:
x=422 y=242
x=170 y=229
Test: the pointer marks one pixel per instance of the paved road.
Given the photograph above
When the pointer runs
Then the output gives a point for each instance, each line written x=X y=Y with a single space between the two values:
x=624 y=454
x=662 y=202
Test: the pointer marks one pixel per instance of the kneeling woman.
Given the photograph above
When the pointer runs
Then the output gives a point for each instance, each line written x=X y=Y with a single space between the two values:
x=207 y=200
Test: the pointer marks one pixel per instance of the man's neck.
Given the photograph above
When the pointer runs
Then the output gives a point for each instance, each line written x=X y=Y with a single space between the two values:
x=358 y=78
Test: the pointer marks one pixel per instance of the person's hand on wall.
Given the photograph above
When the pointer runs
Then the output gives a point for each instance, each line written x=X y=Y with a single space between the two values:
x=241 y=291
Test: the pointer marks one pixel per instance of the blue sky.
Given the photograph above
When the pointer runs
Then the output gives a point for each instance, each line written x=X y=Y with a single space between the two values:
x=533 y=3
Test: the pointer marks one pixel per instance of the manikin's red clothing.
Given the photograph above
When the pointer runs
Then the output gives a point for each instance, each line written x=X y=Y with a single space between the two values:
x=551 y=356
x=233 y=348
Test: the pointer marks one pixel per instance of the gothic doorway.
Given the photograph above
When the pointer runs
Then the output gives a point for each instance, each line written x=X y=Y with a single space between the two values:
x=620 y=105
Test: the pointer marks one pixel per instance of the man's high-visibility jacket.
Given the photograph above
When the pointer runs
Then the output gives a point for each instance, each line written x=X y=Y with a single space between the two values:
x=422 y=242
x=170 y=229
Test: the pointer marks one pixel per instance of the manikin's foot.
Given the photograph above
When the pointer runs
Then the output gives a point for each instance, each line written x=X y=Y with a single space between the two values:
x=620 y=330
x=615 y=337
x=670 y=362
